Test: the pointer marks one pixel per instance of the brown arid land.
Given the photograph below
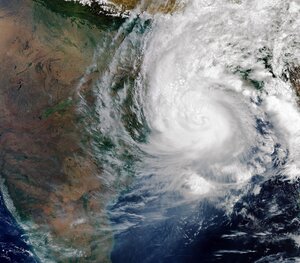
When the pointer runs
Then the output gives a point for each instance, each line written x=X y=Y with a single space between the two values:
x=50 y=176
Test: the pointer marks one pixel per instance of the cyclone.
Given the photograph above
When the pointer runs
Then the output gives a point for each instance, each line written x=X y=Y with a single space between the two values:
x=204 y=93
x=213 y=118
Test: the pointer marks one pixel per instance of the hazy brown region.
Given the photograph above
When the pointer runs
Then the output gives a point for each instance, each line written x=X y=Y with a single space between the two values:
x=295 y=78
x=50 y=177
x=149 y=5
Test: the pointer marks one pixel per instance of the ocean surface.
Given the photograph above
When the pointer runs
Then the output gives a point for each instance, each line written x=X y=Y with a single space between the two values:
x=14 y=245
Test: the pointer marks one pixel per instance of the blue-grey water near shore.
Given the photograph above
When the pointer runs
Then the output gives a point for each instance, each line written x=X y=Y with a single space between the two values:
x=14 y=245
